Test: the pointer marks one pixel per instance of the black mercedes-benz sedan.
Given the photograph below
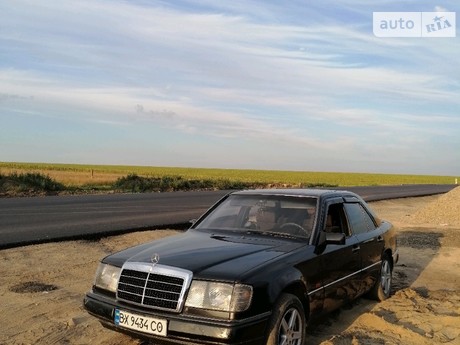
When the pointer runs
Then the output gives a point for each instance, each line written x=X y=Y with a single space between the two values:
x=254 y=269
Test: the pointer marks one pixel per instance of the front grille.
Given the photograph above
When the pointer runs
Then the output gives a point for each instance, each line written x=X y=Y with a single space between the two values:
x=158 y=286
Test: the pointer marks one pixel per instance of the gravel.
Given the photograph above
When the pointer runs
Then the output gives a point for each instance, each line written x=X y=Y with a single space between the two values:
x=444 y=211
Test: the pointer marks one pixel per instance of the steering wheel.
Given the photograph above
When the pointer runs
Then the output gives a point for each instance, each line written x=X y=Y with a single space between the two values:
x=295 y=225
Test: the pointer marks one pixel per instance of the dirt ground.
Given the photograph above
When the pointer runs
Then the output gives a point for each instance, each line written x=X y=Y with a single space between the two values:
x=42 y=287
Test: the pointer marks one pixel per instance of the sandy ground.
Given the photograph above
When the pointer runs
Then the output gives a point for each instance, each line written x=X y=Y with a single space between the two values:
x=42 y=286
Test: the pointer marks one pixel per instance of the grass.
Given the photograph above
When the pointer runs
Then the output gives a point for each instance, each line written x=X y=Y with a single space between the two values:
x=28 y=184
x=141 y=178
x=138 y=184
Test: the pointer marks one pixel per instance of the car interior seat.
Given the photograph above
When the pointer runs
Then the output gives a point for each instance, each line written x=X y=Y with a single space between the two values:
x=333 y=224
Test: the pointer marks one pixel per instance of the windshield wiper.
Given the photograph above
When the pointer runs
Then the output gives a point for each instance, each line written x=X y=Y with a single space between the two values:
x=269 y=233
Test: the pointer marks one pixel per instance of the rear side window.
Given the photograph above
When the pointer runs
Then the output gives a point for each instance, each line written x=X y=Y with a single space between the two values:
x=359 y=220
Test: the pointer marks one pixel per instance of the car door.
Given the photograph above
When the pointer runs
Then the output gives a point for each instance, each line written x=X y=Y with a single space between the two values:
x=340 y=264
x=370 y=240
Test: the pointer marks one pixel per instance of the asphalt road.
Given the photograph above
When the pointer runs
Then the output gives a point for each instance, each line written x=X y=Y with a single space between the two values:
x=43 y=219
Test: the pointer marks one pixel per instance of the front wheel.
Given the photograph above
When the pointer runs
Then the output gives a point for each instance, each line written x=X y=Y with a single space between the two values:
x=382 y=288
x=287 y=324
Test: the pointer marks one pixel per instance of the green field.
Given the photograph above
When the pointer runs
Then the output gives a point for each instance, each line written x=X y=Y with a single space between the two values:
x=100 y=175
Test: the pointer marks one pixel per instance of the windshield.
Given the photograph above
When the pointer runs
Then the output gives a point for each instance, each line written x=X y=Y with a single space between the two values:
x=275 y=215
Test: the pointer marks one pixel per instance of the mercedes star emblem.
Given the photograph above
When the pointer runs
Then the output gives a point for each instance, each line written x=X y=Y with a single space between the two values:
x=155 y=258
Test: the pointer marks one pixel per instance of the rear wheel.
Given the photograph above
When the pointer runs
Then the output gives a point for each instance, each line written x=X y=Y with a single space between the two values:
x=287 y=324
x=382 y=288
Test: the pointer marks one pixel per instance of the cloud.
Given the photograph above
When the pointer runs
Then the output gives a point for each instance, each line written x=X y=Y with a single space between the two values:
x=227 y=73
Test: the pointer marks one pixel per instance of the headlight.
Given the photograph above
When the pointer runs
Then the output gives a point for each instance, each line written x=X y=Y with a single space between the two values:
x=219 y=296
x=107 y=277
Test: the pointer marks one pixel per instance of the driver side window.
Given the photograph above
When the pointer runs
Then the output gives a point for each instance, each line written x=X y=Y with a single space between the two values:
x=336 y=221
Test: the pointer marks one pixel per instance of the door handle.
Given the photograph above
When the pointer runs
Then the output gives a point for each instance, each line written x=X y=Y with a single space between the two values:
x=355 y=248
x=379 y=239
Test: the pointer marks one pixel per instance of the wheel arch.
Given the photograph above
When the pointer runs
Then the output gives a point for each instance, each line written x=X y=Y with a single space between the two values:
x=299 y=290
x=388 y=253
x=291 y=282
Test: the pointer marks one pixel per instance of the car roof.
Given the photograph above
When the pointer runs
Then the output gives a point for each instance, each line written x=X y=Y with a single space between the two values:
x=299 y=192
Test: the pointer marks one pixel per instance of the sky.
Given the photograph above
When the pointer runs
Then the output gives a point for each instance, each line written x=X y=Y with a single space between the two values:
x=272 y=85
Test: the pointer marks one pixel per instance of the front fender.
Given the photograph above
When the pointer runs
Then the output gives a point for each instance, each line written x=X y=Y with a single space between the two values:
x=287 y=280
x=269 y=288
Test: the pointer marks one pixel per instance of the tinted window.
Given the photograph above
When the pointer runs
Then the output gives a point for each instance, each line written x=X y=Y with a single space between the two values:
x=358 y=218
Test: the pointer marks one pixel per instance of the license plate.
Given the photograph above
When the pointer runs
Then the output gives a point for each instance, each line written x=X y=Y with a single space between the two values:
x=140 y=323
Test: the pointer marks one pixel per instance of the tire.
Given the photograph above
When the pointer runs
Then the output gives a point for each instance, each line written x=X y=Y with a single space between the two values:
x=287 y=324
x=382 y=288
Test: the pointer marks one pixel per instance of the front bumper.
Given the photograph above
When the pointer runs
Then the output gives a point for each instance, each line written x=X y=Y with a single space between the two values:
x=182 y=329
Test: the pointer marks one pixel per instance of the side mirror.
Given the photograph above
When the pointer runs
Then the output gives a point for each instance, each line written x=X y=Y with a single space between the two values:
x=326 y=238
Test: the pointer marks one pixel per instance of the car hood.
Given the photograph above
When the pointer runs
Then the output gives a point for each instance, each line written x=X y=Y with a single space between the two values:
x=223 y=256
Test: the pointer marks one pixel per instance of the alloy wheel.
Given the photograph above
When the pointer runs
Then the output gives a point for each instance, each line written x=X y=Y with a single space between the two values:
x=385 y=277
x=290 y=332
